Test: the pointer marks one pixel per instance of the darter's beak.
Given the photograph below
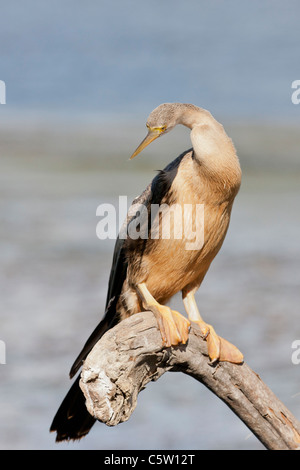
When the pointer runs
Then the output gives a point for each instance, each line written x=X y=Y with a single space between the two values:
x=153 y=133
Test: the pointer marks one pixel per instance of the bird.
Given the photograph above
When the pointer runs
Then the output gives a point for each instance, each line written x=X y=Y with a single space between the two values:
x=148 y=271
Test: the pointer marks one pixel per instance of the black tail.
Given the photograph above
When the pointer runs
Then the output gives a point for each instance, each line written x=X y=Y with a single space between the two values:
x=72 y=420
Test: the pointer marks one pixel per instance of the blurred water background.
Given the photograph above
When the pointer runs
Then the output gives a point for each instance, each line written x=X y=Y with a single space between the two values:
x=81 y=79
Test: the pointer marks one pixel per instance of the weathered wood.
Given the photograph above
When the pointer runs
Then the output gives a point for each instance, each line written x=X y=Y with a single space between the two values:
x=131 y=355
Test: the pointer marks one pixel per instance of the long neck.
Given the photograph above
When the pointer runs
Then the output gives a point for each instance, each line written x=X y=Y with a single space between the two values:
x=213 y=149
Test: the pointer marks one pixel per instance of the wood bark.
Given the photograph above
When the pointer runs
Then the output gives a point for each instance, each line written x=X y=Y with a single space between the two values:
x=131 y=354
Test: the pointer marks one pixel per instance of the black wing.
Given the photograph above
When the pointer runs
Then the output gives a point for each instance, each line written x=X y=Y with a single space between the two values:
x=72 y=420
x=116 y=279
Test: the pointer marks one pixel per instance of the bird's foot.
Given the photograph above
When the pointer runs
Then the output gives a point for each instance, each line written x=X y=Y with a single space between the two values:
x=173 y=326
x=219 y=349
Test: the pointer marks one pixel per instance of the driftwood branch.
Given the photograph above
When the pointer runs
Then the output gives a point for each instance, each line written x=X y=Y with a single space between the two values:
x=131 y=354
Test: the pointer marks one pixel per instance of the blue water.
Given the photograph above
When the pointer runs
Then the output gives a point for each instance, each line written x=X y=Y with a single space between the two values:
x=125 y=57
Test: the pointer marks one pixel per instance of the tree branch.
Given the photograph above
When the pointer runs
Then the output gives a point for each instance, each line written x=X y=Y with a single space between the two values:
x=130 y=355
